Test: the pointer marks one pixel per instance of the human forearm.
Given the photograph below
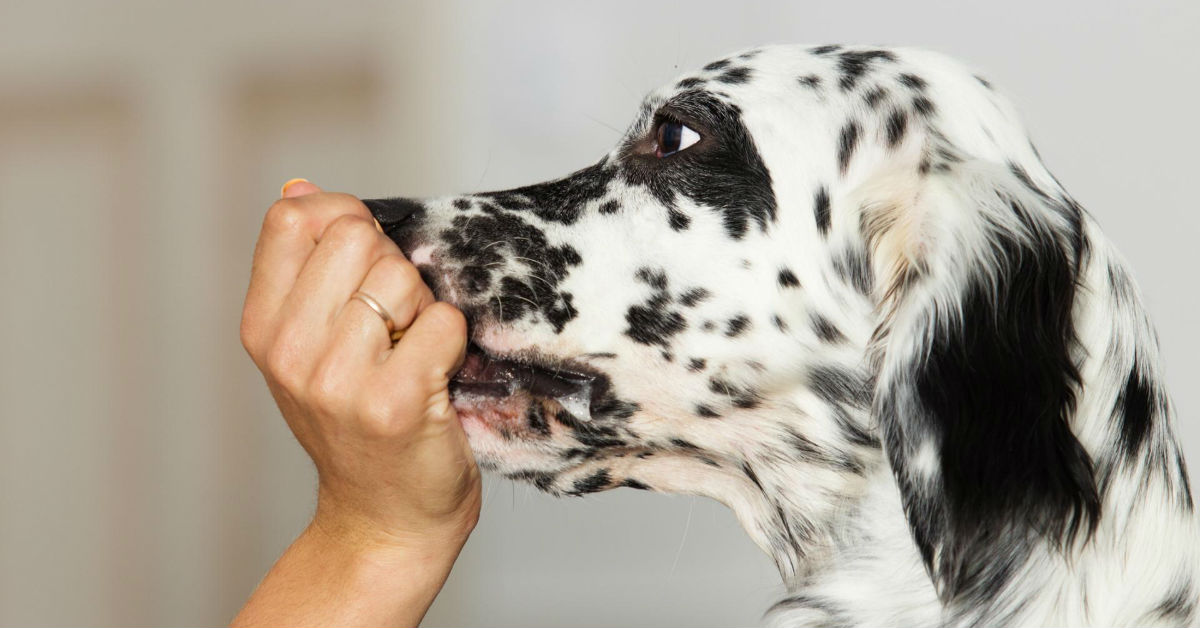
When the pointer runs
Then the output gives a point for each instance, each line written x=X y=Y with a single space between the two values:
x=321 y=580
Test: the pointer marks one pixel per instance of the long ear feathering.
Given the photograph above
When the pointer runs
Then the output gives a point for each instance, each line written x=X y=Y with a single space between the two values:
x=977 y=378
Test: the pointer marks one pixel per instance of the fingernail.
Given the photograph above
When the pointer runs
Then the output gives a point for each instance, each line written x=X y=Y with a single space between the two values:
x=290 y=183
x=378 y=226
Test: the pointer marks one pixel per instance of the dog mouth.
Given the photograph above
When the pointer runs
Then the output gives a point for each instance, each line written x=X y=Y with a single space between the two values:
x=486 y=377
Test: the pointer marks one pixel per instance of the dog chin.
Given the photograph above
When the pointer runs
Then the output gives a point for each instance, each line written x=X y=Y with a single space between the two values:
x=500 y=443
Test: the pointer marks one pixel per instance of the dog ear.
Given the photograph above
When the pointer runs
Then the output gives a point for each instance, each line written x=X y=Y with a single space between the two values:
x=977 y=379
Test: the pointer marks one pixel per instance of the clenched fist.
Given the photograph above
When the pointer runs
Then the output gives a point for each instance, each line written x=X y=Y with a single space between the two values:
x=398 y=486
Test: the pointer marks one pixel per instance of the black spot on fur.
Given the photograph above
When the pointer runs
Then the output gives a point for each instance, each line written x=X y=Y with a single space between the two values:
x=787 y=279
x=689 y=83
x=656 y=279
x=544 y=481
x=823 y=455
x=697 y=364
x=610 y=207
x=706 y=412
x=594 y=434
x=779 y=323
x=694 y=296
x=924 y=106
x=875 y=96
x=826 y=330
x=826 y=49
x=1136 y=407
x=734 y=76
x=854 y=267
x=851 y=430
x=747 y=400
x=810 y=80
x=709 y=326
x=736 y=325
x=897 y=124
x=855 y=64
x=595 y=482
x=725 y=173
x=984 y=82
x=821 y=209
x=839 y=386
x=913 y=81
x=632 y=483
x=738 y=397
x=536 y=419
x=677 y=219
x=462 y=203
x=609 y=405
x=683 y=444
x=717 y=65
x=557 y=201
x=651 y=324
x=846 y=144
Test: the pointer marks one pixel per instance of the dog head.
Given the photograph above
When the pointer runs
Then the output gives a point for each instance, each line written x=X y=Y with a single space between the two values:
x=791 y=255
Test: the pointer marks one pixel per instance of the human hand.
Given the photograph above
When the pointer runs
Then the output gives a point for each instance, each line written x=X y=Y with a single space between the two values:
x=394 y=467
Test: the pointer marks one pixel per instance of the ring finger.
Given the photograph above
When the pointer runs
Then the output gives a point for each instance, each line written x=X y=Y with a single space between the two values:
x=360 y=333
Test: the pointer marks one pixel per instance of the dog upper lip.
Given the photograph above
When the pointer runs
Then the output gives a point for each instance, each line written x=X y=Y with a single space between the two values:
x=483 y=374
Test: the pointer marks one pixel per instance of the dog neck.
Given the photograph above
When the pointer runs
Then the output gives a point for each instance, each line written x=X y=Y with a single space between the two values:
x=866 y=571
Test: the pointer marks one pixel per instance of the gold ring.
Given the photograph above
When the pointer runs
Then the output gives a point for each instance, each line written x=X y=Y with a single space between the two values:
x=393 y=333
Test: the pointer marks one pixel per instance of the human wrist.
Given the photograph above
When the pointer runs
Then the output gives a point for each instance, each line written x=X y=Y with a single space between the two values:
x=325 y=579
x=392 y=581
x=435 y=544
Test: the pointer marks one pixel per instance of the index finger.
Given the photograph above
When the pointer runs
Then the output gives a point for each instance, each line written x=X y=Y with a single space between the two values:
x=290 y=232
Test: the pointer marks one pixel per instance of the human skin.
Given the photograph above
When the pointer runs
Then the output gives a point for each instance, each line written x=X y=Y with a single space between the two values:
x=398 y=491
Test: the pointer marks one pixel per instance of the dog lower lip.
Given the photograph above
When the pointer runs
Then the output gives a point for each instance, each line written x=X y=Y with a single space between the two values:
x=484 y=375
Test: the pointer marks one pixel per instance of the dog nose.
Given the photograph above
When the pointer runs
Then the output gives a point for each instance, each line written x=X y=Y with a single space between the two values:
x=393 y=212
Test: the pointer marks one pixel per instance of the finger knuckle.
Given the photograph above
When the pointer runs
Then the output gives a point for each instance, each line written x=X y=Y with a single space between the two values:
x=283 y=364
x=351 y=229
x=447 y=317
x=249 y=335
x=400 y=274
x=350 y=204
x=284 y=215
x=328 y=390
x=397 y=268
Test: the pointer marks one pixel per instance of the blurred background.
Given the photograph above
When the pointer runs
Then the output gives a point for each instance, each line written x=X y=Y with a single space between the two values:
x=145 y=476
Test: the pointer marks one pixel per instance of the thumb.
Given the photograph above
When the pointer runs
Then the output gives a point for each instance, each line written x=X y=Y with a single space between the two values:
x=304 y=187
x=298 y=187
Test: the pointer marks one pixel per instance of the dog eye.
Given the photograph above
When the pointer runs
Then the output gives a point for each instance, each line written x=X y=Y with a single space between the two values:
x=673 y=137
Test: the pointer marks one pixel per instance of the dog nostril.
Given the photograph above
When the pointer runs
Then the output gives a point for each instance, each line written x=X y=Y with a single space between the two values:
x=393 y=211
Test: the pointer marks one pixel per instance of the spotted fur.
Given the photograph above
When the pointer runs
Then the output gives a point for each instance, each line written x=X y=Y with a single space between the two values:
x=860 y=312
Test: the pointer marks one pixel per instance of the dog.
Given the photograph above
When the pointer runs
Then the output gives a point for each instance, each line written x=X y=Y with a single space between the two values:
x=836 y=289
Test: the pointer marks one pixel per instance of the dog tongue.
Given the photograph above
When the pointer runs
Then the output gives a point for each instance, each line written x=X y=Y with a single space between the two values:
x=484 y=376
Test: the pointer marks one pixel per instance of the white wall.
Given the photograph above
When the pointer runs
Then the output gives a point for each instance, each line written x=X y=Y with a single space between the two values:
x=145 y=477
